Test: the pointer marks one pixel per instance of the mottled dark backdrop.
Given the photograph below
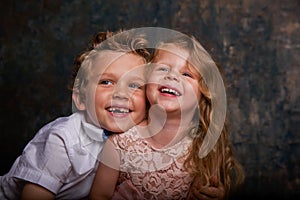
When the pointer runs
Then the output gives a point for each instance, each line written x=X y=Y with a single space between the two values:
x=257 y=42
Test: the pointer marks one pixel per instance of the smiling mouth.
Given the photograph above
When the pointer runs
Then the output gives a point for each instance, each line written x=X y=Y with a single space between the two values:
x=117 y=110
x=170 y=91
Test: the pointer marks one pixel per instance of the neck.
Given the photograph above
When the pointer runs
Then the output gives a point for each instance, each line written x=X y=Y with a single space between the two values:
x=166 y=129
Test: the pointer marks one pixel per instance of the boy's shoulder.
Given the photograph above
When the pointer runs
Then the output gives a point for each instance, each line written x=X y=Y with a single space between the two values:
x=66 y=121
x=63 y=127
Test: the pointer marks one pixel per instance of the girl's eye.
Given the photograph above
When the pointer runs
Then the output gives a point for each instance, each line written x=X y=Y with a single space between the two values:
x=187 y=74
x=105 y=82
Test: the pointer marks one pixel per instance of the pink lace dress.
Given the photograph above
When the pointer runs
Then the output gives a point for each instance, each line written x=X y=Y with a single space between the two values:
x=155 y=173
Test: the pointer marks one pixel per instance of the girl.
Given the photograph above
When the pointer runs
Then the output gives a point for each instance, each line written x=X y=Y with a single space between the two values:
x=183 y=142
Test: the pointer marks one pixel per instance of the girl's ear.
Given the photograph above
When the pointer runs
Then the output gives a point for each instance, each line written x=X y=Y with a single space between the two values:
x=79 y=103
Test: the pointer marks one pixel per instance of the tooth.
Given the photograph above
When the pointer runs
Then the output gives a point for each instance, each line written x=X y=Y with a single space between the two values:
x=120 y=110
x=123 y=110
x=170 y=91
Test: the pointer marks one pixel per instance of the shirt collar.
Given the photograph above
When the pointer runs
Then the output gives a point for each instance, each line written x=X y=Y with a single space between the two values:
x=93 y=132
x=91 y=138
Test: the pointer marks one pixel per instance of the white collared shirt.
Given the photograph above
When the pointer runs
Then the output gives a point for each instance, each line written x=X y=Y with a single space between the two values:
x=62 y=157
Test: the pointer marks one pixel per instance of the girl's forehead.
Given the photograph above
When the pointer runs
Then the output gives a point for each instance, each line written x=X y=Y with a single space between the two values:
x=167 y=52
x=172 y=50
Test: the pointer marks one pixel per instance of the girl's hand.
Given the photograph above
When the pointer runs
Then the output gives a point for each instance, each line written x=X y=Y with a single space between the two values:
x=215 y=191
x=126 y=191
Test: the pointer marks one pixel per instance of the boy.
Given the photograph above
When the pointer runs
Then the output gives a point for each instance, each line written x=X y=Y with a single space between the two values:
x=60 y=161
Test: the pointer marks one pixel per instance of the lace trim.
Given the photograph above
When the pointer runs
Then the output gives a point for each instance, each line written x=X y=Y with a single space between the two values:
x=138 y=156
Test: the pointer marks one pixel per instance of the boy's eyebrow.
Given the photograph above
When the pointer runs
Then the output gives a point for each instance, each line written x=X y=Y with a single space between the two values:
x=132 y=76
x=104 y=73
x=137 y=78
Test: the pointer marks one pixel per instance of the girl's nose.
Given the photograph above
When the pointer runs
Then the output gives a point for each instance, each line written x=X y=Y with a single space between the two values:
x=171 y=76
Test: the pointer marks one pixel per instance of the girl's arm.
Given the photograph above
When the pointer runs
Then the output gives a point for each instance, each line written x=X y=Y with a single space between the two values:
x=104 y=183
x=107 y=173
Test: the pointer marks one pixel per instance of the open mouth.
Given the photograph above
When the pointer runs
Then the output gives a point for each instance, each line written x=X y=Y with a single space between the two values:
x=170 y=91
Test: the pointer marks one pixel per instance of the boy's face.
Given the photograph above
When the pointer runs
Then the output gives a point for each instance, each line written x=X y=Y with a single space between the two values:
x=115 y=98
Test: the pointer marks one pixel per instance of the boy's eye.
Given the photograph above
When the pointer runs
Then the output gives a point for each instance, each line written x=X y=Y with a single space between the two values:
x=163 y=69
x=134 y=85
x=105 y=82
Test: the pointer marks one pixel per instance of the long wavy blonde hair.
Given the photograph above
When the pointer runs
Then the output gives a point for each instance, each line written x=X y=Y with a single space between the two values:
x=219 y=161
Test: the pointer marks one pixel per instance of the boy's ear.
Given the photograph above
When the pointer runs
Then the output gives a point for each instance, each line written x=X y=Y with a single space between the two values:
x=79 y=103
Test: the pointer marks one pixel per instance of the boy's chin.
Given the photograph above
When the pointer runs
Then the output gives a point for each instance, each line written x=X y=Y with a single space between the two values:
x=120 y=125
x=120 y=128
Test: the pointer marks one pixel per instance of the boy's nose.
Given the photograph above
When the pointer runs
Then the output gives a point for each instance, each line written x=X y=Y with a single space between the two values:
x=120 y=93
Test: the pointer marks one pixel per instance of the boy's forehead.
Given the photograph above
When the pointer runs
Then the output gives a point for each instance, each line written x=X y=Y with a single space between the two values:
x=105 y=58
x=108 y=58
x=116 y=64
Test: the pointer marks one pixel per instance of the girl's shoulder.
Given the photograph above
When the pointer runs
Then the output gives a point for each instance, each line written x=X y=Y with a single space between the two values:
x=135 y=133
x=128 y=138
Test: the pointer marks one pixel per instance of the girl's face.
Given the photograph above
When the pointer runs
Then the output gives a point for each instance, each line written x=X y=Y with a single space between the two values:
x=172 y=83
x=115 y=98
